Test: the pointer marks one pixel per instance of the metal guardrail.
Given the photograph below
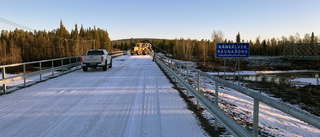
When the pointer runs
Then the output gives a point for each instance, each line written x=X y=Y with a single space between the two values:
x=170 y=65
x=24 y=76
x=41 y=71
x=116 y=53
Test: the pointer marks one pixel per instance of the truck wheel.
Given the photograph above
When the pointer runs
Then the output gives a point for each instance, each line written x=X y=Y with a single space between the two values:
x=104 y=68
x=85 y=68
x=110 y=66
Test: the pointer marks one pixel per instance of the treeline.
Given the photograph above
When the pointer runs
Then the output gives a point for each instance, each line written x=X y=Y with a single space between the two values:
x=180 y=48
x=23 y=46
x=187 y=49
x=274 y=46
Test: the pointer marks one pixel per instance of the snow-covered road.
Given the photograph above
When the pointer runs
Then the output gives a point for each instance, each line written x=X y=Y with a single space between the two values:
x=133 y=98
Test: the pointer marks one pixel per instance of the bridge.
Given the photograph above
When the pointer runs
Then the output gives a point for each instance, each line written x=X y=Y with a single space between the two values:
x=301 y=51
x=134 y=98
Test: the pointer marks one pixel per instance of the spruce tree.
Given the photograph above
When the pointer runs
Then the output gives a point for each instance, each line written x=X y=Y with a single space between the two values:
x=82 y=31
x=131 y=42
x=238 y=37
x=312 y=37
x=264 y=47
x=75 y=42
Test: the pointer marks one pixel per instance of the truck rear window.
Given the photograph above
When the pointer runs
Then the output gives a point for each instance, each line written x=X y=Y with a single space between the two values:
x=95 y=53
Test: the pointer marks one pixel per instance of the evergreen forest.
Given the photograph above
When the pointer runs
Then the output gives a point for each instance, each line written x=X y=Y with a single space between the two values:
x=23 y=46
x=188 y=49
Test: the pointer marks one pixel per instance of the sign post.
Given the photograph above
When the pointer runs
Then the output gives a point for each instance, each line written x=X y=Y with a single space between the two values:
x=237 y=51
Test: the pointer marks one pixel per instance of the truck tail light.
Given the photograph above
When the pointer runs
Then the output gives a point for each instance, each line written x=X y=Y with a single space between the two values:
x=101 y=58
x=81 y=60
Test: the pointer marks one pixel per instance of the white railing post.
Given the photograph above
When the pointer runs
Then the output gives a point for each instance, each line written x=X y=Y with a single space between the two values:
x=216 y=102
x=69 y=64
x=180 y=76
x=255 y=117
x=175 y=71
x=24 y=73
x=52 y=67
x=171 y=67
x=40 y=73
x=4 y=87
x=62 y=65
x=180 y=70
x=198 y=104
x=187 y=80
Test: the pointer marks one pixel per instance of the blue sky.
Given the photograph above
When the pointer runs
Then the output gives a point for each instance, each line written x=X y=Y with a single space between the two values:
x=195 y=19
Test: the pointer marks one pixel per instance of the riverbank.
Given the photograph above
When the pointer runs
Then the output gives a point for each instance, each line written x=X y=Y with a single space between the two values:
x=301 y=91
x=260 y=64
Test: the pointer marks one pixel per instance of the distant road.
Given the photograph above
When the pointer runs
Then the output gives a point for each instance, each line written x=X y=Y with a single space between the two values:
x=133 y=98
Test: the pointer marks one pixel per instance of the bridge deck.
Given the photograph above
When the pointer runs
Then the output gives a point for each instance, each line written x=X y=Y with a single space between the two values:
x=133 y=98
